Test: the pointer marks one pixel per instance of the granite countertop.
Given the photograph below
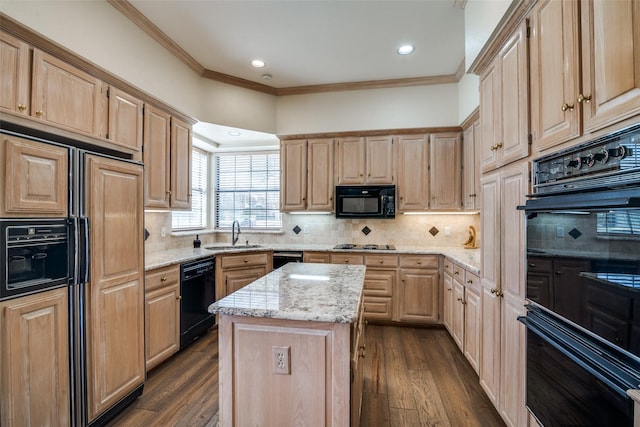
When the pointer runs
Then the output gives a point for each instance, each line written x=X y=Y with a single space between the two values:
x=300 y=291
x=467 y=258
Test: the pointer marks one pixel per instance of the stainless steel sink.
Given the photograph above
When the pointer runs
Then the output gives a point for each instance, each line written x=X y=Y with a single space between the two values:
x=223 y=247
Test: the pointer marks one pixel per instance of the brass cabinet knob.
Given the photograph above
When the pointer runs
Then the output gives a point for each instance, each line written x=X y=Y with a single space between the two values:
x=169 y=192
x=246 y=260
x=584 y=98
x=163 y=279
x=39 y=113
x=381 y=261
x=449 y=289
x=499 y=145
x=470 y=281
x=456 y=273
x=463 y=302
x=419 y=262
x=494 y=291
x=179 y=297
x=566 y=107
x=346 y=260
x=22 y=107
x=460 y=299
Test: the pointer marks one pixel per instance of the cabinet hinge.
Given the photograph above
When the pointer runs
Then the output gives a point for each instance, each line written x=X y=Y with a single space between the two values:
x=530 y=137
x=108 y=92
x=528 y=31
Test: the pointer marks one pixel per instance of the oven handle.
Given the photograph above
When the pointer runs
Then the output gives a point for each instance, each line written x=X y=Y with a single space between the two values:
x=570 y=348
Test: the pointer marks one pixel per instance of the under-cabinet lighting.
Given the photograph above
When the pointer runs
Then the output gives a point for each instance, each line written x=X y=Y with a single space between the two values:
x=443 y=213
x=309 y=213
x=308 y=277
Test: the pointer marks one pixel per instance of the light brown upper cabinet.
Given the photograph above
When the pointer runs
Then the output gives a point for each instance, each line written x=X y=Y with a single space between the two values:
x=504 y=118
x=15 y=74
x=180 y=191
x=35 y=178
x=307 y=175
x=445 y=171
x=167 y=159
x=596 y=43
x=471 y=167
x=125 y=119
x=368 y=160
x=156 y=157
x=413 y=173
x=65 y=96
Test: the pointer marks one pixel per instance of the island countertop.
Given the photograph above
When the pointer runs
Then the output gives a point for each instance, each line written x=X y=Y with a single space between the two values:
x=300 y=291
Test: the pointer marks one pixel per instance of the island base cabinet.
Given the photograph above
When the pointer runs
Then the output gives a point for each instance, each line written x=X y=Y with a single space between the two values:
x=268 y=367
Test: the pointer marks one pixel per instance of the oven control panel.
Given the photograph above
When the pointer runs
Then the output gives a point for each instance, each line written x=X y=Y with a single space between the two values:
x=612 y=160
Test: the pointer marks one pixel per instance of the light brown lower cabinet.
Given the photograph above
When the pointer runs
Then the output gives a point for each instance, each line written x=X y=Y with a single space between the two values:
x=418 y=289
x=162 y=314
x=34 y=360
x=234 y=271
x=323 y=384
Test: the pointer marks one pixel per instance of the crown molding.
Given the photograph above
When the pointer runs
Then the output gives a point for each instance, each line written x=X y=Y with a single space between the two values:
x=134 y=15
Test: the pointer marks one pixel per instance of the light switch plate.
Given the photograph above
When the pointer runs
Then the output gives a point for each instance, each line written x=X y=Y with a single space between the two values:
x=282 y=360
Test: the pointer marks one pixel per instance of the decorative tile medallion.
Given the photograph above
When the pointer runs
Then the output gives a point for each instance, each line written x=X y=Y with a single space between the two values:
x=366 y=230
x=575 y=233
x=297 y=229
x=434 y=231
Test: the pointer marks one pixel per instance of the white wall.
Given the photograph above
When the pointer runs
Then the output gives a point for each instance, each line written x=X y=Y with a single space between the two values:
x=99 y=33
x=480 y=19
x=407 y=107
x=468 y=96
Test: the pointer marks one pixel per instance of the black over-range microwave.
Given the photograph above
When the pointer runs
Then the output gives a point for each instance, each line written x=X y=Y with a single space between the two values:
x=365 y=201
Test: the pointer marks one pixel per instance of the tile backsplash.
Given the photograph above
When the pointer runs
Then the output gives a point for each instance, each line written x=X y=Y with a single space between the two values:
x=405 y=230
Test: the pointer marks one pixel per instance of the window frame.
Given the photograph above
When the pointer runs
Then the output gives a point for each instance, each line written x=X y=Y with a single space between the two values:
x=205 y=217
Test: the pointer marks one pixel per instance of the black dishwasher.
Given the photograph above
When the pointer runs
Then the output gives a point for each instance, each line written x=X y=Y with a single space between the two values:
x=198 y=291
x=281 y=258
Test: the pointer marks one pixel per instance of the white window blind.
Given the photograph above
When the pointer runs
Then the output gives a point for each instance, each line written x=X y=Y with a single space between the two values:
x=619 y=222
x=248 y=190
x=196 y=218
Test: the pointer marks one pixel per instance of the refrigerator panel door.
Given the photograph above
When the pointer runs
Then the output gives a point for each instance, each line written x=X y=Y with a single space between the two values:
x=114 y=309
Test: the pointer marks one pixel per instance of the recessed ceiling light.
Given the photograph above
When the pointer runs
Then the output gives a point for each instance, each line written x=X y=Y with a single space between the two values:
x=405 y=49
x=235 y=133
x=258 y=63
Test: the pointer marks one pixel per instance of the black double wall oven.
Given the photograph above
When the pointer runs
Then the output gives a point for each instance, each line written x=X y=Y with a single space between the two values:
x=583 y=283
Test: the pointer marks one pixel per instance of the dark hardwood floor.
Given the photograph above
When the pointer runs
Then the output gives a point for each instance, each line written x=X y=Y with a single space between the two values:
x=412 y=377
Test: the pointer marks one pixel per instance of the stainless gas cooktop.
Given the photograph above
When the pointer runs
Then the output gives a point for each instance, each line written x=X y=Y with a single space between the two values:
x=365 y=247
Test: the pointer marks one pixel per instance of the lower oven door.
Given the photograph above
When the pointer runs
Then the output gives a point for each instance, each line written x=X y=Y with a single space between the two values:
x=574 y=379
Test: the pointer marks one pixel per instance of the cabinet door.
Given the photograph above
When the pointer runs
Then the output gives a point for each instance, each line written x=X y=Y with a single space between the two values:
x=115 y=292
x=555 y=68
x=512 y=365
x=156 y=157
x=413 y=176
x=35 y=178
x=180 y=164
x=125 y=119
x=449 y=301
x=162 y=324
x=320 y=186
x=378 y=308
x=610 y=58
x=15 y=74
x=445 y=172
x=350 y=168
x=65 y=96
x=238 y=279
x=490 y=348
x=514 y=98
x=34 y=360
x=380 y=160
x=418 y=296
x=471 y=171
x=458 y=314
x=490 y=118
x=472 y=327
x=293 y=169
x=490 y=226
x=379 y=282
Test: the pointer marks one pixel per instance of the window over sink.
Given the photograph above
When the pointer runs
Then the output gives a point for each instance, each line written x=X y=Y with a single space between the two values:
x=248 y=190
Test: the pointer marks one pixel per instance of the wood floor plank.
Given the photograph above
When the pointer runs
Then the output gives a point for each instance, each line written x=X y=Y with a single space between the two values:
x=413 y=352
x=430 y=407
x=375 y=410
x=375 y=378
x=404 y=417
x=400 y=395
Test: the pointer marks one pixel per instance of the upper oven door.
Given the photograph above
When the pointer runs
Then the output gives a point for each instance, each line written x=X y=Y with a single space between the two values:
x=36 y=255
x=583 y=262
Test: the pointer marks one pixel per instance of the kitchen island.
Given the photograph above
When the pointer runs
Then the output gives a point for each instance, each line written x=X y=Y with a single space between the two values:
x=289 y=347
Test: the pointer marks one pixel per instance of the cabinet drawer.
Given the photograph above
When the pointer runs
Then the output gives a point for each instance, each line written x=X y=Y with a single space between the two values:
x=381 y=260
x=472 y=280
x=539 y=264
x=378 y=308
x=162 y=277
x=243 y=260
x=379 y=282
x=346 y=259
x=447 y=267
x=317 y=257
x=419 y=261
x=458 y=273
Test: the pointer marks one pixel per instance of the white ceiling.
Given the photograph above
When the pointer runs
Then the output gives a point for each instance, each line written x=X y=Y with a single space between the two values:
x=312 y=42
